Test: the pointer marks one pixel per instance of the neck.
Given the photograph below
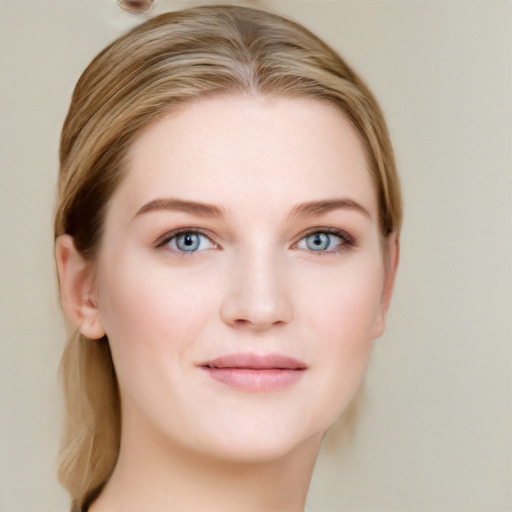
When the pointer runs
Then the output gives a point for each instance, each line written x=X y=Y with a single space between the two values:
x=152 y=475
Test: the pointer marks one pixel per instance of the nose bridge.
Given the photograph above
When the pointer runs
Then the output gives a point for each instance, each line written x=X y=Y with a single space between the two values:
x=258 y=294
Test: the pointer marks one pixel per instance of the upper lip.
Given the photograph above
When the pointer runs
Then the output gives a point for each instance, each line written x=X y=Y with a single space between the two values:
x=251 y=361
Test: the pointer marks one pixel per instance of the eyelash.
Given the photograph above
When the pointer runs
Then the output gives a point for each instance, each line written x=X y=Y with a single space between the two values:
x=346 y=241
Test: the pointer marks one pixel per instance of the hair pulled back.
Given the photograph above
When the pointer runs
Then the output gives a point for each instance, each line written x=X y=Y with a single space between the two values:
x=161 y=65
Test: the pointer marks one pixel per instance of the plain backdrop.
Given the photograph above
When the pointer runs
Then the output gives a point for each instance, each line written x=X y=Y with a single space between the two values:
x=434 y=424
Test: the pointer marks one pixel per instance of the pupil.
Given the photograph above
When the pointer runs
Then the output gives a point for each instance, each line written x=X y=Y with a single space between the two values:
x=188 y=242
x=318 y=241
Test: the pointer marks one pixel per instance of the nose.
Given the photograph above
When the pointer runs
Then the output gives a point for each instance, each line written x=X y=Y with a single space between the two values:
x=258 y=296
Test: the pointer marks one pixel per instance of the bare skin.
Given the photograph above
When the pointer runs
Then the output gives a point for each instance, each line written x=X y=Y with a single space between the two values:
x=241 y=281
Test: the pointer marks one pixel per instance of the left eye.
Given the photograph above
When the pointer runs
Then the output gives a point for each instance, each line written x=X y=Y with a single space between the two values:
x=188 y=241
x=321 y=242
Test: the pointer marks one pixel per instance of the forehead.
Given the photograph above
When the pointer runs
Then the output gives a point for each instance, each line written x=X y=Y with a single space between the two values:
x=230 y=148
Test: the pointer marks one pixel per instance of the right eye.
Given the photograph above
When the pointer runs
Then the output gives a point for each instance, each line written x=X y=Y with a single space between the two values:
x=187 y=242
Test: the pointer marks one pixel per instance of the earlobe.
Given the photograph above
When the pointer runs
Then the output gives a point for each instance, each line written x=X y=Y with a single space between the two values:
x=391 y=265
x=76 y=283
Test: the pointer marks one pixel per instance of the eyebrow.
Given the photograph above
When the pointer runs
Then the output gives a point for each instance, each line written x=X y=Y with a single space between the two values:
x=309 y=209
x=179 y=205
x=317 y=208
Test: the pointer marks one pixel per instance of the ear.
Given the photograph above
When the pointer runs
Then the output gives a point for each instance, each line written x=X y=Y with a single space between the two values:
x=76 y=282
x=392 y=256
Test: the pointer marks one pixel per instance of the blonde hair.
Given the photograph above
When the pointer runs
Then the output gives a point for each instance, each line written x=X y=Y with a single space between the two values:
x=160 y=65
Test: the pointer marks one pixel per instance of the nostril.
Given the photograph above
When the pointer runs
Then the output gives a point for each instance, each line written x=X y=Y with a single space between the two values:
x=257 y=323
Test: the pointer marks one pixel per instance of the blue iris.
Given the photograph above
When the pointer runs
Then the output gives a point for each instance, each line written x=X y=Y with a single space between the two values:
x=319 y=241
x=188 y=242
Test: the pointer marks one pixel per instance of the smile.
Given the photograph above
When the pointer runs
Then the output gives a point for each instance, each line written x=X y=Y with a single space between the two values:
x=255 y=373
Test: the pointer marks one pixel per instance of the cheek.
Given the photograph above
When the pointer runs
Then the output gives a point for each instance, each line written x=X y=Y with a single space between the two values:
x=345 y=303
x=342 y=316
x=151 y=316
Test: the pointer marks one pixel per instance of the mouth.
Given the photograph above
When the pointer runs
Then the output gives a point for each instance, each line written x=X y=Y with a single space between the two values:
x=255 y=373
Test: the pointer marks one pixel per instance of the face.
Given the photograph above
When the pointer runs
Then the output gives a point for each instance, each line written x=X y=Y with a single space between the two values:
x=241 y=276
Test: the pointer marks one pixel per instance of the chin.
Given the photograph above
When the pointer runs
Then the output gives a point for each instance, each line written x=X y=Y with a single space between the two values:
x=262 y=449
x=260 y=438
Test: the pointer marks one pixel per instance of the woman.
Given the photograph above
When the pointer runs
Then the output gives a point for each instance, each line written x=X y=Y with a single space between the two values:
x=226 y=242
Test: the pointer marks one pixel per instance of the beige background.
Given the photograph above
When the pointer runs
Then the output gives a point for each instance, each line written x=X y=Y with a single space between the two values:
x=434 y=428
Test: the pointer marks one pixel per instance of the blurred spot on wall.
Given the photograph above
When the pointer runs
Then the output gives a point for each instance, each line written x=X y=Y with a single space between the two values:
x=136 y=6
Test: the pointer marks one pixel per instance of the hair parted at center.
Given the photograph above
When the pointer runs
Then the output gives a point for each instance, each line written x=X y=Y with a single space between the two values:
x=161 y=65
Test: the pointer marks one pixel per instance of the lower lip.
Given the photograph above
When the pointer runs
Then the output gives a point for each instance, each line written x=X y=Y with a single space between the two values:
x=255 y=381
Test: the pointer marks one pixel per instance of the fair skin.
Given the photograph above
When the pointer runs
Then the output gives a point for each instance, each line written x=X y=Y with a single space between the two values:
x=241 y=281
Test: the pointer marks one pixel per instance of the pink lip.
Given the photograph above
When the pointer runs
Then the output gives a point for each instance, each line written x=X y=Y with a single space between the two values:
x=255 y=373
